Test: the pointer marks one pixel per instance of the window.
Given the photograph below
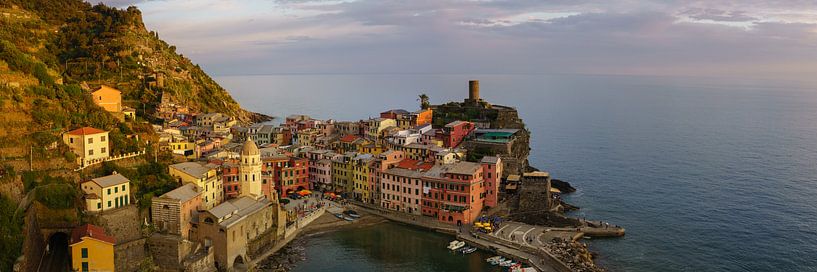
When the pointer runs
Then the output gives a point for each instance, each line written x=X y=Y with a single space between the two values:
x=102 y=139
x=115 y=189
x=123 y=187
x=84 y=266
x=99 y=205
x=109 y=191
x=85 y=253
x=71 y=140
x=109 y=203
x=90 y=140
x=102 y=151
x=90 y=152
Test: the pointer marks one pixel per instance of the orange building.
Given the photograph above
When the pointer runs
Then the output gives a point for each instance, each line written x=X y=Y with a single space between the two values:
x=453 y=193
x=108 y=98
x=414 y=119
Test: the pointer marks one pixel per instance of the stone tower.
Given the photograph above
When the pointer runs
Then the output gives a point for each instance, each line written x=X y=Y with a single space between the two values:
x=249 y=170
x=473 y=90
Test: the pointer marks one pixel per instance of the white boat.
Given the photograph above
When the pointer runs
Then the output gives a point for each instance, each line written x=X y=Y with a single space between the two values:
x=492 y=259
x=469 y=250
x=456 y=245
x=498 y=261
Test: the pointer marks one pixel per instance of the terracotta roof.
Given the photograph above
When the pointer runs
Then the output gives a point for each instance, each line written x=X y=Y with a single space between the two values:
x=349 y=138
x=92 y=231
x=414 y=164
x=106 y=88
x=86 y=131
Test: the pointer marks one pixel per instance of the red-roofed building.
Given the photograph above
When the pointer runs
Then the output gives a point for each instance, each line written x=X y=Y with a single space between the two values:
x=91 y=249
x=88 y=143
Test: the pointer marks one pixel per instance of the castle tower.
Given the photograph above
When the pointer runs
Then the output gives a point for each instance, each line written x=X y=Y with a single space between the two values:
x=249 y=170
x=473 y=90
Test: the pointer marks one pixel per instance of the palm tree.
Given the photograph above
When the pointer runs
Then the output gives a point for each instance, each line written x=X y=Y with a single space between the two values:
x=424 y=104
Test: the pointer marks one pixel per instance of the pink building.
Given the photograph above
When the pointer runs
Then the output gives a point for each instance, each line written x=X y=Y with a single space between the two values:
x=492 y=172
x=455 y=132
x=401 y=187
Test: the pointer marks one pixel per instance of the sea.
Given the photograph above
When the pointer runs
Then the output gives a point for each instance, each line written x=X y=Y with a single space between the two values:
x=705 y=174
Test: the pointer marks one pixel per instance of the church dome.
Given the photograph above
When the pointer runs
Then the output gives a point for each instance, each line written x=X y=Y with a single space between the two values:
x=249 y=148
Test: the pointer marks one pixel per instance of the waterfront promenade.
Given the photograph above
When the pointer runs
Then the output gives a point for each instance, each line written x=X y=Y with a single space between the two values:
x=534 y=256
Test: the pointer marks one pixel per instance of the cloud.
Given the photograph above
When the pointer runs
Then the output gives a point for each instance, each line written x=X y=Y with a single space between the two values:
x=713 y=38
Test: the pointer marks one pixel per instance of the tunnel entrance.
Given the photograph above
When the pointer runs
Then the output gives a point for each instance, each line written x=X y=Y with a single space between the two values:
x=55 y=257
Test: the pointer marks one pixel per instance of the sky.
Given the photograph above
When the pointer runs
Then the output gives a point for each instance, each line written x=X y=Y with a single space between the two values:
x=740 y=38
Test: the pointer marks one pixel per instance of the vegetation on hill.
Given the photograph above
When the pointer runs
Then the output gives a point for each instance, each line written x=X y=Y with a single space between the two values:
x=11 y=229
x=52 y=51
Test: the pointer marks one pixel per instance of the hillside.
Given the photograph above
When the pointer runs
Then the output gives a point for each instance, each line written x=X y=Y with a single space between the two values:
x=52 y=51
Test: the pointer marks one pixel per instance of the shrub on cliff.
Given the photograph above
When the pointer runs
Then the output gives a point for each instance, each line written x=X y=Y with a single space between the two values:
x=11 y=231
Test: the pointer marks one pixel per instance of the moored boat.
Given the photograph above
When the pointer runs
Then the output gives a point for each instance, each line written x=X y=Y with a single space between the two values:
x=456 y=245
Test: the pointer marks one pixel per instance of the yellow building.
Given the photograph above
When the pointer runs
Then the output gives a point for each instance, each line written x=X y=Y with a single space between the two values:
x=342 y=172
x=373 y=149
x=88 y=143
x=105 y=193
x=376 y=125
x=91 y=249
x=183 y=148
x=108 y=98
x=360 y=177
x=129 y=113
x=203 y=176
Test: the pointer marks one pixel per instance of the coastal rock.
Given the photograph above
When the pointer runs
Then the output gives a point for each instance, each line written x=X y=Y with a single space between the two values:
x=563 y=186
x=574 y=254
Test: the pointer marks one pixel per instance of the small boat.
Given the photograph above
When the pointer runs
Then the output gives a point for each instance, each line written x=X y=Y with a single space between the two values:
x=339 y=216
x=347 y=218
x=469 y=250
x=498 y=261
x=456 y=245
x=352 y=214
x=494 y=258
x=507 y=263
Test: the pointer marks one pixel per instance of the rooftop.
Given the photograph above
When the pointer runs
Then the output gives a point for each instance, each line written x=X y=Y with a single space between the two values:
x=191 y=168
x=539 y=174
x=86 y=131
x=490 y=159
x=111 y=180
x=234 y=210
x=183 y=193
x=91 y=231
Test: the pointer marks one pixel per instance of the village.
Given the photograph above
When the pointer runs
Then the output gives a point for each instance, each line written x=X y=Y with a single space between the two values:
x=244 y=191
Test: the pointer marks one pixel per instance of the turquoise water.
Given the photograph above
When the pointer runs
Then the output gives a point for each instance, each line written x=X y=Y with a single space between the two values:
x=387 y=247
x=706 y=175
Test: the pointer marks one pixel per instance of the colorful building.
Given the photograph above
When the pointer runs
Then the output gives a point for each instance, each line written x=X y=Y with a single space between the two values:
x=204 y=176
x=360 y=177
x=91 y=249
x=89 y=144
x=285 y=174
x=453 y=193
x=342 y=172
x=108 y=98
x=229 y=179
x=414 y=119
x=455 y=132
x=172 y=211
x=106 y=193
x=375 y=126
x=492 y=173
x=401 y=186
